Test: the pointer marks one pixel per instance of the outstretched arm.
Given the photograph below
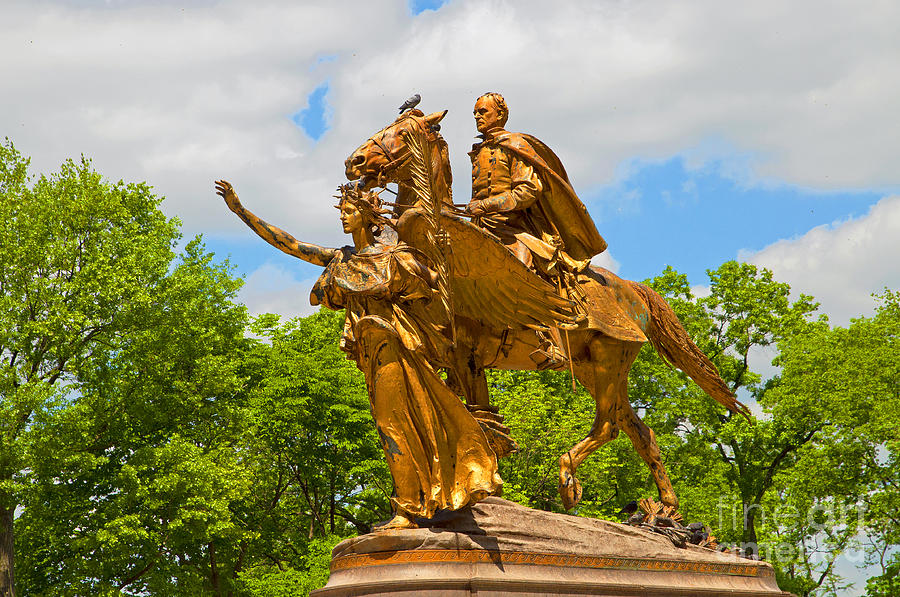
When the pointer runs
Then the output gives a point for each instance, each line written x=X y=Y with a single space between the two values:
x=273 y=235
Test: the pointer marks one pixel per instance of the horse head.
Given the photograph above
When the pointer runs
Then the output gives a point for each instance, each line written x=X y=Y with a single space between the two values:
x=384 y=157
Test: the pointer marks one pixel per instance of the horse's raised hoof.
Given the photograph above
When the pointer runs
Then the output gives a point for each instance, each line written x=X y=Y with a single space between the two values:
x=569 y=490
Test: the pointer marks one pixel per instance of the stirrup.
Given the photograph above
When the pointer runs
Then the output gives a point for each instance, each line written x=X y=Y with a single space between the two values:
x=548 y=357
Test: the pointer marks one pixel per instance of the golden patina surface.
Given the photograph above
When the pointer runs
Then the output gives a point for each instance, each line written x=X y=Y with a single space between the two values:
x=544 y=308
x=502 y=281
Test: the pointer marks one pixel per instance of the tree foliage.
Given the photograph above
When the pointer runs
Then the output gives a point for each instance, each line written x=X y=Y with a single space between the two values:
x=80 y=259
x=134 y=476
x=155 y=441
x=150 y=447
x=793 y=486
x=318 y=468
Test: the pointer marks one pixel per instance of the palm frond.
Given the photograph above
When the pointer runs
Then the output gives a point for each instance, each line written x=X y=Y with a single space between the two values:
x=422 y=166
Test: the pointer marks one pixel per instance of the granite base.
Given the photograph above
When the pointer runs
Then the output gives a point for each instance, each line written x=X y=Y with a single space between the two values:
x=501 y=548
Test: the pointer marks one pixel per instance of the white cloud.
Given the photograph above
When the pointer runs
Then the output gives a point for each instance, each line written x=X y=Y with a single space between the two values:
x=842 y=264
x=272 y=289
x=701 y=290
x=182 y=95
x=607 y=261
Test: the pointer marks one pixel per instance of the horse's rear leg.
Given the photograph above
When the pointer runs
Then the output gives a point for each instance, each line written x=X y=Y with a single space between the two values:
x=644 y=441
x=605 y=376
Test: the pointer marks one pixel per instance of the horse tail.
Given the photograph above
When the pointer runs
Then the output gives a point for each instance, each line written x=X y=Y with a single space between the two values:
x=676 y=348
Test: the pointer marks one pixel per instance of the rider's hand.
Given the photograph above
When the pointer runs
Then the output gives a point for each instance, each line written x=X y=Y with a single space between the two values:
x=226 y=191
x=476 y=207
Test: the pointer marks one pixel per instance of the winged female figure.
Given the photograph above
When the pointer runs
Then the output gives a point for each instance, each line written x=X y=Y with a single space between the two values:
x=437 y=453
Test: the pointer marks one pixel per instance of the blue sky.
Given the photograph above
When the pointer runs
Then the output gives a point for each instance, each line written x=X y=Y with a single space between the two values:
x=694 y=205
x=663 y=213
x=656 y=213
x=419 y=6
x=313 y=119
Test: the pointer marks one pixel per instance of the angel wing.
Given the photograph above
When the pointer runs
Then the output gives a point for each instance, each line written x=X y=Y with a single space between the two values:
x=489 y=284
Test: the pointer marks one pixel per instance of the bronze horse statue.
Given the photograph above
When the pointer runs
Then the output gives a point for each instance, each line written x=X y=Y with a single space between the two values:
x=497 y=303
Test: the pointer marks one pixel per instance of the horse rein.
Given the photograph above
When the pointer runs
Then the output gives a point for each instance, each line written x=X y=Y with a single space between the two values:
x=401 y=158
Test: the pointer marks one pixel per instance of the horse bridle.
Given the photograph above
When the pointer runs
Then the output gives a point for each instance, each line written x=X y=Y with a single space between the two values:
x=406 y=154
x=398 y=161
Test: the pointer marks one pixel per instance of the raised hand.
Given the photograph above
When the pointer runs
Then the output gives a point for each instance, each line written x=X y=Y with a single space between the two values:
x=274 y=235
x=226 y=191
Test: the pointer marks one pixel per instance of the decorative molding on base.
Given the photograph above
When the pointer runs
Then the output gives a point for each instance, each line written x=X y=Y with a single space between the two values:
x=470 y=556
x=489 y=587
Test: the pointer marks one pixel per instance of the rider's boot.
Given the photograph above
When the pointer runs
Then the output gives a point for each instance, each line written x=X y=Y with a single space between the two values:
x=549 y=354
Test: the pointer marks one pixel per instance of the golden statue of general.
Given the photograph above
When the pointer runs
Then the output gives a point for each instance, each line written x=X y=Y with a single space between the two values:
x=521 y=193
x=468 y=296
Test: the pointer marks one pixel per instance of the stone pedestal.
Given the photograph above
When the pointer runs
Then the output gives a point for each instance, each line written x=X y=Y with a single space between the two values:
x=500 y=548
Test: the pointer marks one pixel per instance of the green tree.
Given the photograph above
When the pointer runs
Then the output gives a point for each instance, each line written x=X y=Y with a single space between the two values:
x=886 y=584
x=151 y=448
x=746 y=310
x=853 y=375
x=135 y=476
x=77 y=255
x=320 y=474
x=194 y=463
x=791 y=483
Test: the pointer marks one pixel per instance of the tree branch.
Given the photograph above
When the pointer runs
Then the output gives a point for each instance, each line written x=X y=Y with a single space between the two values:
x=140 y=572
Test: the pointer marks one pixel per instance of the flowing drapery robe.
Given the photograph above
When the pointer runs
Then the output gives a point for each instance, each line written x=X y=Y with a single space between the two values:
x=437 y=453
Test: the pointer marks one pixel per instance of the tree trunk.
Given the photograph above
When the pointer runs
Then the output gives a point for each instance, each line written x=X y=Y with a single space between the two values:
x=331 y=502
x=7 y=554
x=213 y=570
x=750 y=545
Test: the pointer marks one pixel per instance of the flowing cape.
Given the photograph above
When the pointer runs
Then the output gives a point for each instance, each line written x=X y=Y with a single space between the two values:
x=559 y=203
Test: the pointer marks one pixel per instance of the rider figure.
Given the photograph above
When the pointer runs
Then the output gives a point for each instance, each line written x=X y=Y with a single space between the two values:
x=521 y=193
